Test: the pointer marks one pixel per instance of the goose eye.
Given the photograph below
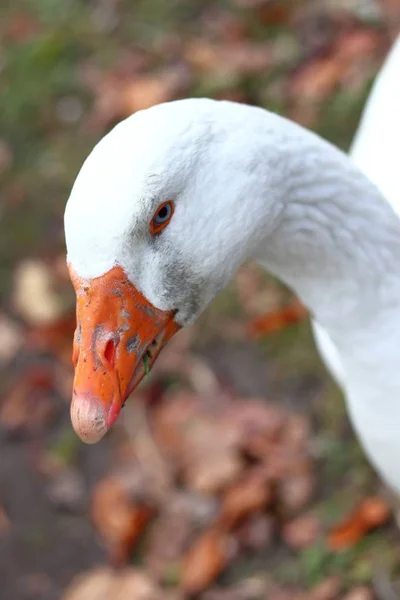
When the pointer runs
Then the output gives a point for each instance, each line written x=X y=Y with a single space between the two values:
x=161 y=217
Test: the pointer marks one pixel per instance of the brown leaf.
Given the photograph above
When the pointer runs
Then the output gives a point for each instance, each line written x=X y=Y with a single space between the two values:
x=371 y=513
x=294 y=492
x=104 y=583
x=27 y=405
x=256 y=533
x=119 y=520
x=22 y=27
x=5 y=522
x=10 y=339
x=328 y=589
x=34 y=295
x=55 y=337
x=133 y=584
x=230 y=59
x=166 y=542
x=249 y=495
x=301 y=532
x=374 y=511
x=360 y=592
x=205 y=560
x=92 y=585
x=203 y=448
x=257 y=423
x=277 y=592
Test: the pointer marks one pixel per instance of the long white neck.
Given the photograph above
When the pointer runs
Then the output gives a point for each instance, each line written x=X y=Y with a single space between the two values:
x=336 y=243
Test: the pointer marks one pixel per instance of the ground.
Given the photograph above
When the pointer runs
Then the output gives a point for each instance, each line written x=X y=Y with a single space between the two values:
x=72 y=69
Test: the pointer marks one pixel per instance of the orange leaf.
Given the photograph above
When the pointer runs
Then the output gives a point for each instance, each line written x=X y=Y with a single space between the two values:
x=118 y=519
x=371 y=513
x=251 y=494
x=374 y=511
x=205 y=561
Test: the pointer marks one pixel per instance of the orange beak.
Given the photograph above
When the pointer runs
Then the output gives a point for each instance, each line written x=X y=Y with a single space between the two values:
x=118 y=331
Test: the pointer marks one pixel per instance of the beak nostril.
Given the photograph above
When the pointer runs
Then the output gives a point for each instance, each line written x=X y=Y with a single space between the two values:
x=109 y=352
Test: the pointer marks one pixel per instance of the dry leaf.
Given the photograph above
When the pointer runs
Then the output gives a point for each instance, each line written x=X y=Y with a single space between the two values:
x=93 y=585
x=294 y=492
x=257 y=423
x=27 y=405
x=205 y=560
x=104 y=583
x=249 y=495
x=119 y=520
x=361 y=592
x=328 y=589
x=301 y=532
x=256 y=533
x=200 y=445
x=278 y=592
x=34 y=295
x=10 y=339
x=5 y=522
x=230 y=59
x=371 y=513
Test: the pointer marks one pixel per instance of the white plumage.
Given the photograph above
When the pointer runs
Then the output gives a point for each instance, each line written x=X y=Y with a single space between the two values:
x=247 y=183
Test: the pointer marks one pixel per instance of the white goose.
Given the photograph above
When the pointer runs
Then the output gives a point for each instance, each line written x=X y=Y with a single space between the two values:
x=172 y=201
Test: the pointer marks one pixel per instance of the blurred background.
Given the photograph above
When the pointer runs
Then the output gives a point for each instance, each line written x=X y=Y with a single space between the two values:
x=233 y=473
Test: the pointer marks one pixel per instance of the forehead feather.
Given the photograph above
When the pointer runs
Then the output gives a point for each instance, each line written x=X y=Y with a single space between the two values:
x=152 y=153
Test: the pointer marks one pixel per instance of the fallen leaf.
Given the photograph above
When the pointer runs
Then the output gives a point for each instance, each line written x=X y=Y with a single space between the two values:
x=230 y=59
x=148 y=90
x=21 y=28
x=374 y=511
x=200 y=445
x=104 y=583
x=118 y=519
x=133 y=584
x=206 y=559
x=361 y=592
x=328 y=589
x=294 y=492
x=301 y=532
x=27 y=405
x=10 y=339
x=256 y=533
x=54 y=337
x=167 y=539
x=94 y=585
x=249 y=495
x=371 y=513
x=277 y=592
x=34 y=296
x=5 y=522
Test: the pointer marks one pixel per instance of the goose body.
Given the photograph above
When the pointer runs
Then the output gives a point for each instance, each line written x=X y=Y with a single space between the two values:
x=172 y=201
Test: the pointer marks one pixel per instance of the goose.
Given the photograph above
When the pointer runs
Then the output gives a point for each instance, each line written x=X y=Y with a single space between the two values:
x=175 y=198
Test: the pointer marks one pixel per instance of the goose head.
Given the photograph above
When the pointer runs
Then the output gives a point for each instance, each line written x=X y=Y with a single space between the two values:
x=162 y=213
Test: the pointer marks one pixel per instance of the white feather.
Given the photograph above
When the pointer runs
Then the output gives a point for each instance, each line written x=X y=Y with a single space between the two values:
x=247 y=183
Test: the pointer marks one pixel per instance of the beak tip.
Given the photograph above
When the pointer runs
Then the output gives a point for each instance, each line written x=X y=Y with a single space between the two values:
x=88 y=419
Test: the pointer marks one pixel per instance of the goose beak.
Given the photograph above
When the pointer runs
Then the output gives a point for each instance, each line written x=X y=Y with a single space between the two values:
x=119 y=335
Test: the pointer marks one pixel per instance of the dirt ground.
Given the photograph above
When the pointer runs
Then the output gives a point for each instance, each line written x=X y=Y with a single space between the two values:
x=70 y=71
